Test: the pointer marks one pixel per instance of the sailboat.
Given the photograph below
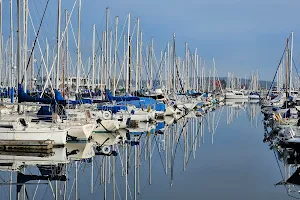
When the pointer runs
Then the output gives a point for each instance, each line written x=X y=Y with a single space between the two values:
x=18 y=127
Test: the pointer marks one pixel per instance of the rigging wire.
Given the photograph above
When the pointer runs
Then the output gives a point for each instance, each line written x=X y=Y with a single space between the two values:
x=35 y=40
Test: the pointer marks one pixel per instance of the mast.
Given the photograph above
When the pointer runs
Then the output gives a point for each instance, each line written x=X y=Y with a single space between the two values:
x=106 y=72
x=174 y=64
x=67 y=48
x=63 y=69
x=160 y=68
x=196 y=69
x=197 y=65
x=78 y=48
x=58 y=44
x=187 y=67
x=287 y=68
x=110 y=52
x=203 y=76
x=93 y=57
x=11 y=54
x=47 y=55
x=141 y=59
x=137 y=55
x=102 y=60
x=25 y=22
x=19 y=41
x=115 y=55
x=167 y=67
x=130 y=67
x=1 y=44
x=31 y=72
x=124 y=62
x=214 y=75
x=151 y=62
x=127 y=57
x=291 y=60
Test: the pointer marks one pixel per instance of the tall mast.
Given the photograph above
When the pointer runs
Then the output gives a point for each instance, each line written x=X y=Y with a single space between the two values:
x=110 y=53
x=287 y=68
x=167 y=67
x=127 y=54
x=11 y=53
x=67 y=45
x=47 y=56
x=102 y=59
x=203 y=76
x=151 y=62
x=197 y=65
x=174 y=64
x=19 y=41
x=291 y=60
x=25 y=22
x=137 y=55
x=141 y=59
x=196 y=69
x=130 y=67
x=58 y=44
x=63 y=69
x=106 y=50
x=115 y=55
x=1 y=44
x=160 y=68
x=93 y=57
x=187 y=67
x=78 y=48
x=31 y=72
x=19 y=46
x=214 y=75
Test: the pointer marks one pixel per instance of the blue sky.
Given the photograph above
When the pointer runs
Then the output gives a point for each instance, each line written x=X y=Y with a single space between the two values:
x=243 y=36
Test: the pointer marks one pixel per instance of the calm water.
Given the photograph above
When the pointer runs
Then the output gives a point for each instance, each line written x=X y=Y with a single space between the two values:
x=219 y=156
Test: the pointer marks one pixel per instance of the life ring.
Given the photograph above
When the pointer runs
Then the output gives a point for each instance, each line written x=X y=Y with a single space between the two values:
x=106 y=149
x=106 y=115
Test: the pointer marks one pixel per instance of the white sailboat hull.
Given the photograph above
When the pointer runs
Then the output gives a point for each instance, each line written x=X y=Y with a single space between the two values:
x=106 y=126
x=81 y=132
x=56 y=135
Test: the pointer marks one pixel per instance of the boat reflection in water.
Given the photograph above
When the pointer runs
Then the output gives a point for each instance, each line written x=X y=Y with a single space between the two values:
x=288 y=160
x=236 y=106
x=112 y=166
